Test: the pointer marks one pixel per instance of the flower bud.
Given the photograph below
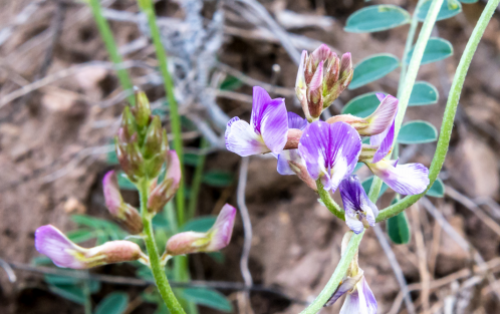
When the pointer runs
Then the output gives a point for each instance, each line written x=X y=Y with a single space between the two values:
x=126 y=214
x=154 y=138
x=143 y=110
x=130 y=159
x=128 y=126
x=163 y=192
x=51 y=242
x=214 y=239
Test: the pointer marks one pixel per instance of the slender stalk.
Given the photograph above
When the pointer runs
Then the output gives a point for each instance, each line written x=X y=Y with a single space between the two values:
x=197 y=178
x=147 y=7
x=154 y=260
x=109 y=41
x=337 y=276
x=87 y=306
x=449 y=113
x=329 y=202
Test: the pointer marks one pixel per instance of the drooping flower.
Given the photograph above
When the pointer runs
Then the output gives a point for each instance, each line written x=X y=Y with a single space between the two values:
x=407 y=179
x=359 y=297
x=214 y=239
x=330 y=152
x=320 y=79
x=125 y=213
x=64 y=253
x=360 y=212
x=267 y=130
x=164 y=191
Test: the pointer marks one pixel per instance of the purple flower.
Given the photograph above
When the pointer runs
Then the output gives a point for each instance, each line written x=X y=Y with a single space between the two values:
x=64 y=253
x=407 y=179
x=360 y=300
x=267 y=130
x=214 y=239
x=360 y=212
x=330 y=151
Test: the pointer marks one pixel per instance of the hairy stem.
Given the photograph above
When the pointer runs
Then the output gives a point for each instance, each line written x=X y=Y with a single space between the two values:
x=329 y=202
x=337 y=276
x=147 y=7
x=449 y=113
x=109 y=41
x=154 y=260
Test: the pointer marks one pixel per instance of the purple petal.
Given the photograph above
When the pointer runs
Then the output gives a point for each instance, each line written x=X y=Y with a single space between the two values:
x=359 y=210
x=380 y=96
x=384 y=141
x=346 y=285
x=53 y=243
x=274 y=125
x=351 y=304
x=112 y=196
x=222 y=229
x=371 y=302
x=383 y=117
x=242 y=140
x=330 y=151
x=296 y=122
x=408 y=179
x=283 y=161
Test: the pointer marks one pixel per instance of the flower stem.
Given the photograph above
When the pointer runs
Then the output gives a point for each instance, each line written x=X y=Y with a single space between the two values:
x=449 y=113
x=147 y=7
x=329 y=202
x=337 y=276
x=154 y=260
x=197 y=178
x=109 y=41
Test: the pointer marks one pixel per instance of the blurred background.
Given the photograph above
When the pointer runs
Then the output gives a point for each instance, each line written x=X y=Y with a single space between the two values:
x=60 y=106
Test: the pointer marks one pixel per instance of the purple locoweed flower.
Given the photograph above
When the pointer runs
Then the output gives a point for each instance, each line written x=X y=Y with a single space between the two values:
x=214 y=239
x=360 y=212
x=330 y=152
x=51 y=242
x=407 y=179
x=267 y=130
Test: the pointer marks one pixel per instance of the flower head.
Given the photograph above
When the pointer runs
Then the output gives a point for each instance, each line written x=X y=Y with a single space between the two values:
x=330 y=151
x=267 y=130
x=360 y=212
x=214 y=239
x=64 y=253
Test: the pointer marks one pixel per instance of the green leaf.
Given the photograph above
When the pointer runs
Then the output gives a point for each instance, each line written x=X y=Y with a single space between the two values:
x=362 y=106
x=373 y=68
x=376 y=18
x=41 y=260
x=199 y=224
x=468 y=1
x=436 y=49
x=191 y=159
x=367 y=184
x=417 y=132
x=218 y=178
x=124 y=182
x=217 y=256
x=423 y=93
x=437 y=189
x=114 y=303
x=398 y=229
x=208 y=298
x=70 y=292
x=231 y=83
x=112 y=159
x=161 y=221
x=449 y=9
x=81 y=235
x=61 y=280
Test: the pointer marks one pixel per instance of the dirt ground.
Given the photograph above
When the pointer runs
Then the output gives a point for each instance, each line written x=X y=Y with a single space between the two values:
x=54 y=140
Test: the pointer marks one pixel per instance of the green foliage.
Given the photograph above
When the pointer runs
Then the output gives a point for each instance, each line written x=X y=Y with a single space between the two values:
x=398 y=229
x=417 y=132
x=436 y=49
x=423 y=93
x=231 y=83
x=362 y=106
x=199 y=224
x=113 y=303
x=218 y=178
x=191 y=159
x=71 y=288
x=81 y=235
x=437 y=189
x=449 y=9
x=207 y=297
x=376 y=18
x=468 y=1
x=373 y=68
x=102 y=229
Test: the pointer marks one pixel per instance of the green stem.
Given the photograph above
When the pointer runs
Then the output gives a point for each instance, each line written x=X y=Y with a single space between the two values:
x=337 y=276
x=329 y=202
x=154 y=260
x=449 y=113
x=88 y=302
x=197 y=178
x=147 y=7
x=109 y=41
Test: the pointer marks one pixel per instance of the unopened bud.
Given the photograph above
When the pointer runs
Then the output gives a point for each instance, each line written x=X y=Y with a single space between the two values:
x=215 y=239
x=130 y=158
x=128 y=125
x=51 y=242
x=164 y=191
x=124 y=213
x=143 y=110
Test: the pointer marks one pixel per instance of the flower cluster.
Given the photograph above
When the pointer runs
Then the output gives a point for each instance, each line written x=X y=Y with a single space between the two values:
x=143 y=152
x=324 y=153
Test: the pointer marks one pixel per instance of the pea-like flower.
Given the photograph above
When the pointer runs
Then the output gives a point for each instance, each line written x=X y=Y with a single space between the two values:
x=330 y=152
x=64 y=253
x=267 y=130
x=360 y=212
x=214 y=239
